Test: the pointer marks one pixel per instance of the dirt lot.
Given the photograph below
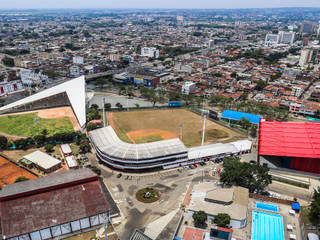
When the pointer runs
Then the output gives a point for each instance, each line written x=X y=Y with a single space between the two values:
x=9 y=172
x=165 y=123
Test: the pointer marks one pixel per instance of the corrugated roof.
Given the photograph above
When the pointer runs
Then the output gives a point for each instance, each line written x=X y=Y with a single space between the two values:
x=43 y=209
x=107 y=141
x=138 y=235
x=289 y=139
x=42 y=159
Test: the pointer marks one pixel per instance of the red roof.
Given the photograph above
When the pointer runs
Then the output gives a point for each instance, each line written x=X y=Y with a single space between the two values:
x=193 y=234
x=289 y=139
x=50 y=206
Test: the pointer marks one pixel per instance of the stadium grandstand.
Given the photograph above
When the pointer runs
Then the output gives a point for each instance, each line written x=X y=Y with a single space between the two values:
x=290 y=145
x=230 y=115
x=70 y=93
x=159 y=155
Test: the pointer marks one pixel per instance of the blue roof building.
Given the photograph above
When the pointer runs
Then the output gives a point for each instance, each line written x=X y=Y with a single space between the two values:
x=234 y=115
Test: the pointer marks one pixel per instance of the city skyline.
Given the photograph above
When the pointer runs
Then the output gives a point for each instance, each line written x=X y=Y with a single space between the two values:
x=178 y=4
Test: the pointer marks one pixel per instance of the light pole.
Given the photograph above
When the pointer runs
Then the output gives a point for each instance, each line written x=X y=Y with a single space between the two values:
x=181 y=127
x=204 y=117
x=103 y=113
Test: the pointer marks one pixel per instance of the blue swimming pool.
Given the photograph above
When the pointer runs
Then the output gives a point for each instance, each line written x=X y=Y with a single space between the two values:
x=268 y=207
x=267 y=226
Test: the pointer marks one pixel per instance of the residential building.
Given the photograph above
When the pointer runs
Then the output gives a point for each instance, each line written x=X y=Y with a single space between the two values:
x=286 y=37
x=150 y=52
x=305 y=57
x=188 y=87
x=29 y=77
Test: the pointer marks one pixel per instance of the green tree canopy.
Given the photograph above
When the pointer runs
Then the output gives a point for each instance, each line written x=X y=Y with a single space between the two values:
x=222 y=219
x=49 y=148
x=199 y=218
x=3 y=143
x=21 y=179
x=314 y=214
x=252 y=176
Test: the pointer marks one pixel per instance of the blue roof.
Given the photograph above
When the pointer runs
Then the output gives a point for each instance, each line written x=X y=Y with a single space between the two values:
x=234 y=115
x=295 y=206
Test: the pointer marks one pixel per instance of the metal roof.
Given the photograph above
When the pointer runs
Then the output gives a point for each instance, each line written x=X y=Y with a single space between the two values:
x=234 y=115
x=108 y=142
x=138 y=235
x=42 y=159
x=75 y=90
x=42 y=209
x=50 y=181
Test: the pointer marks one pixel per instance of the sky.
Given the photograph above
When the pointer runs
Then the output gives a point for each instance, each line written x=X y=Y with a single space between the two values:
x=205 y=4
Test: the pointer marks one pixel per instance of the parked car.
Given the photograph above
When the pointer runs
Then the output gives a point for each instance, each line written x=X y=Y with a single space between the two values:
x=195 y=165
x=127 y=177
x=192 y=167
x=185 y=167
x=119 y=175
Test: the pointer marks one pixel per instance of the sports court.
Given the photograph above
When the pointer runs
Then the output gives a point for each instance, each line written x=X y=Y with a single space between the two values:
x=9 y=172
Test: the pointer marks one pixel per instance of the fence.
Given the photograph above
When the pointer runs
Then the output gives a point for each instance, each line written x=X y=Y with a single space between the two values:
x=270 y=199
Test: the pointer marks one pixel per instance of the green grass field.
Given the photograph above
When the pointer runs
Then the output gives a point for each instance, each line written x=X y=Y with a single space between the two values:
x=147 y=139
x=24 y=125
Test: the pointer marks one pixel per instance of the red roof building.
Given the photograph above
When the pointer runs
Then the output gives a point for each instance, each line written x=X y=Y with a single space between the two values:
x=296 y=144
x=53 y=206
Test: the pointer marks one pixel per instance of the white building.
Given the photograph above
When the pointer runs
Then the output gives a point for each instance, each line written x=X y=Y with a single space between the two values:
x=271 y=40
x=150 y=52
x=28 y=77
x=188 y=87
x=296 y=91
x=10 y=88
x=78 y=60
x=210 y=43
x=286 y=37
x=305 y=57
x=183 y=68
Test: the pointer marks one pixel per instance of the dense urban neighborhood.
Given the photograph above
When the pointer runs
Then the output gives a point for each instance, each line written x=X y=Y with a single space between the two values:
x=160 y=124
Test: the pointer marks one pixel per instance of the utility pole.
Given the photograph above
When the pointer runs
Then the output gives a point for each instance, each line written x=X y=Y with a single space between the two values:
x=181 y=127
x=103 y=113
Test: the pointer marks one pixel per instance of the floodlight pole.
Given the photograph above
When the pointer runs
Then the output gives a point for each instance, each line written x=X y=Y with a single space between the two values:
x=204 y=127
x=103 y=113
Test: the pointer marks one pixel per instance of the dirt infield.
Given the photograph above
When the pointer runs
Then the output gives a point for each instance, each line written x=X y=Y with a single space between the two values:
x=61 y=112
x=165 y=123
x=149 y=132
x=9 y=172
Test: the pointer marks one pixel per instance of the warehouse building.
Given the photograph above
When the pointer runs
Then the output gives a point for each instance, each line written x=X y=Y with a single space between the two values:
x=56 y=206
x=293 y=145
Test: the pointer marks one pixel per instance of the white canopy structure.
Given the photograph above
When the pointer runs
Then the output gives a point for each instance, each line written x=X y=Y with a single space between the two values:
x=74 y=89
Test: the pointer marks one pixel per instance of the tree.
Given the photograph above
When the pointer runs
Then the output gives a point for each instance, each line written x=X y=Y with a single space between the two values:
x=107 y=106
x=49 y=148
x=44 y=132
x=96 y=170
x=253 y=131
x=199 y=218
x=244 y=123
x=155 y=99
x=91 y=126
x=119 y=105
x=85 y=146
x=21 y=179
x=100 y=82
x=314 y=213
x=260 y=85
x=3 y=143
x=252 y=176
x=222 y=219
x=137 y=105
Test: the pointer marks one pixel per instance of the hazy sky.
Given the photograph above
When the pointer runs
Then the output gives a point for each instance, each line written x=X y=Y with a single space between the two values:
x=157 y=3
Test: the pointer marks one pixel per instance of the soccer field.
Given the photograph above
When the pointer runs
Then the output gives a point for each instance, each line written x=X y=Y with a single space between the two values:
x=25 y=125
x=136 y=126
